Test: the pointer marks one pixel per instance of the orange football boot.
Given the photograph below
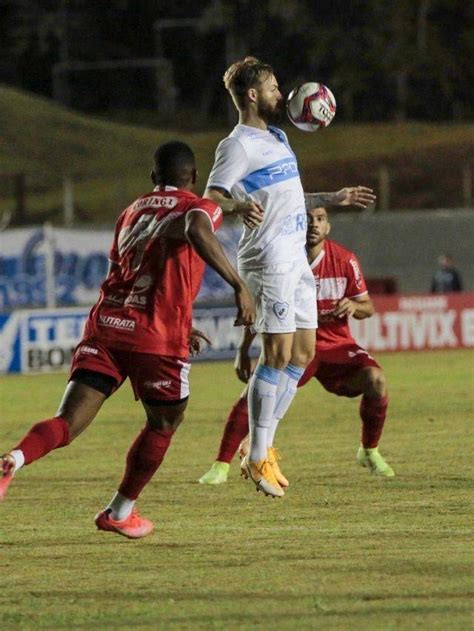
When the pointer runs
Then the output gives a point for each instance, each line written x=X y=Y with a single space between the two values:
x=133 y=527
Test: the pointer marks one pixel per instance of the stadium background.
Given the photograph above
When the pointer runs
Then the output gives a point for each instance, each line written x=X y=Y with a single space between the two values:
x=87 y=92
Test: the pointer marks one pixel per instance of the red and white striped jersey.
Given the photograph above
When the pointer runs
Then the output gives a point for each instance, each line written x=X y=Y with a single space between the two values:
x=145 y=303
x=338 y=275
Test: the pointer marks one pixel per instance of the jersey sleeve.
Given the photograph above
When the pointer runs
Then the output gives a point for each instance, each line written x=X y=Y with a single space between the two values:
x=211 y=209
x=230 y=165
x=355 y=279
x=114 y=254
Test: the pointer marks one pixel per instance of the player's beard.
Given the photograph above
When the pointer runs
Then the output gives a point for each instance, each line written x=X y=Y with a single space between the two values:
x=272 y=115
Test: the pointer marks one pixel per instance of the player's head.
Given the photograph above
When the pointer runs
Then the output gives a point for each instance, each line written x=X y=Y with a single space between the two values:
x=445 y=261
x=252 y=85
x=318 y=226
x=175 y=165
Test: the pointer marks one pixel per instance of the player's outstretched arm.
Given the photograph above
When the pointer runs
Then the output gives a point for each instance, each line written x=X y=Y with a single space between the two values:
x=251 y=212
x=359 y=196
x=199 y=233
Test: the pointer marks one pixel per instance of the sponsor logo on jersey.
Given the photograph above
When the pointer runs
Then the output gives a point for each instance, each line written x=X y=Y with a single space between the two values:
x=280 y=309
x=216 y=214
x=164 y=383
x=357 y=274
x=136 y=301
x=89 y=350
x=115 y=299
x=331 y=288
x=294 y=223
x=280 y=171
x=117 y=323
x=141 y=286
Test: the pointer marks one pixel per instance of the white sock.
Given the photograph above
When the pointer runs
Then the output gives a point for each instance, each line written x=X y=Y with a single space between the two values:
x=261 y=399
x=120 y=507
x=286 y=390
x=19 y=459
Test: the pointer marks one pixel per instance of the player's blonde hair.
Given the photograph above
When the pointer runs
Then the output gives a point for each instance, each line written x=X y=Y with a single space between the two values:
x=243 y=75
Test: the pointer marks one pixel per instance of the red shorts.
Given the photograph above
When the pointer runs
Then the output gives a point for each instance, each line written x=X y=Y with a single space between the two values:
x=153 y=377
x=333 y=368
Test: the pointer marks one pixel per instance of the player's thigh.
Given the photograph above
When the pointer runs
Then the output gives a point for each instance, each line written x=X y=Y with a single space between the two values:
x=79 y=406
x=94 y=376
x=162 y=385
x=346 y=370
x=273 y=288
x=306 y=312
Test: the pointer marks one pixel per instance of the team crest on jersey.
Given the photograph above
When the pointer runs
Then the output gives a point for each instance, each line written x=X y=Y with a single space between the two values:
x=280 y=309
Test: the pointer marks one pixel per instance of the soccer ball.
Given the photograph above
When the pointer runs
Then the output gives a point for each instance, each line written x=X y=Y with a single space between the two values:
x=311 y=106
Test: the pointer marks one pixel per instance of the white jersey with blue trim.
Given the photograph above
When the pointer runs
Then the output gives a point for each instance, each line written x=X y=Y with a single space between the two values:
x=258 y=165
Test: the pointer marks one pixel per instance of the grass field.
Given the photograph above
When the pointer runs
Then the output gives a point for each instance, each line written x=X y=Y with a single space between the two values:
x=342 y=550
x=110 y=162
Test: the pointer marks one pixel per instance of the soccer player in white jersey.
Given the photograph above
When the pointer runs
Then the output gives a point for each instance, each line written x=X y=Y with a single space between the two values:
x=255 y=166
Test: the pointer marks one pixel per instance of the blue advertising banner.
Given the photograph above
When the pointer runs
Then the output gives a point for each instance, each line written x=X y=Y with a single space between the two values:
x=43 y=340
x=79 y=262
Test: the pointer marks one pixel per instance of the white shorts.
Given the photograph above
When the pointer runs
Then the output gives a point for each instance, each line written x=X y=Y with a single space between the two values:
x=285 y=297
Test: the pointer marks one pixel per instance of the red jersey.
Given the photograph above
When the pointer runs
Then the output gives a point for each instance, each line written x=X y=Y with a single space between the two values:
x=337 y=275
x=145 y=303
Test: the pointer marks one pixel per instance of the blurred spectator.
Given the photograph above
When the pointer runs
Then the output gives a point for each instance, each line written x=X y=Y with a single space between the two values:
x=446 y=278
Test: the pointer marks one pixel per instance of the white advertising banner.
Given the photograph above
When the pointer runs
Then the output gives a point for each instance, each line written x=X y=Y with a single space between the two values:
x=44 y=340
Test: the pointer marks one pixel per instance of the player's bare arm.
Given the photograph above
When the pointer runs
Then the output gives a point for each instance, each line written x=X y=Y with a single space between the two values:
x=251 y=212
x=358 y=308
x=242 y=362
x=199 y=233
x=359 y=196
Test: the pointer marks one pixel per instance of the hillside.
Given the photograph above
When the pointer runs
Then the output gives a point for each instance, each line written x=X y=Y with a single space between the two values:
x=110 y=162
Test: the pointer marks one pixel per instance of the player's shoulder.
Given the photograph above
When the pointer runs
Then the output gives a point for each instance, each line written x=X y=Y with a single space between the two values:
x=194 y=202
x=338 y=251
x=233 y=144
x=279 y=133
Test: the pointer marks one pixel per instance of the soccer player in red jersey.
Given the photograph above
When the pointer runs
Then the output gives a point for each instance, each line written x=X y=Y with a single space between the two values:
x=340 y=365
x=140 y=328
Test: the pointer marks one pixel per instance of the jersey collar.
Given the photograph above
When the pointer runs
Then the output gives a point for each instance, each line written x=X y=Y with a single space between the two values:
x=318 y=259
x=164 y=188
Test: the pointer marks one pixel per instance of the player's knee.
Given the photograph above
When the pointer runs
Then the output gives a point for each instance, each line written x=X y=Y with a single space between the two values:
x=165 y=417
x=277 y=357
x=376 y=383
x=303 y=357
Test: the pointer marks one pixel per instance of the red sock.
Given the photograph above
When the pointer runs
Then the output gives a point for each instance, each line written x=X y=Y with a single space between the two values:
x=43 y=438
x=372 y=413
x=143 y=459
x=236 y=429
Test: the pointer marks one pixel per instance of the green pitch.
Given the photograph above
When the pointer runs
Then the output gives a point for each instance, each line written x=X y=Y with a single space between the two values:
x=342 y=550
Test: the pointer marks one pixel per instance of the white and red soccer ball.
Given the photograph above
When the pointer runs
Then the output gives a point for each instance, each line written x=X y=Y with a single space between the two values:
x=311 y=106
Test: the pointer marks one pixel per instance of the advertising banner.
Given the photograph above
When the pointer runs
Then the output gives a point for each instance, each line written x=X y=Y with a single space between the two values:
x=409 y=323
x=79 y=262
x=43 y=340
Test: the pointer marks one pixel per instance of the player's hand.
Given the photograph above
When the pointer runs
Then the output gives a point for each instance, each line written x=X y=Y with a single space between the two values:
x=196 y=338
x=243 y=365
x=245 y=306
x=345 y=308
x=359 y=196
x=251 y=212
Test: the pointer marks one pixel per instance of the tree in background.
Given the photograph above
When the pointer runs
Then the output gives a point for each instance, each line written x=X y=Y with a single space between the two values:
x=384 y=60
